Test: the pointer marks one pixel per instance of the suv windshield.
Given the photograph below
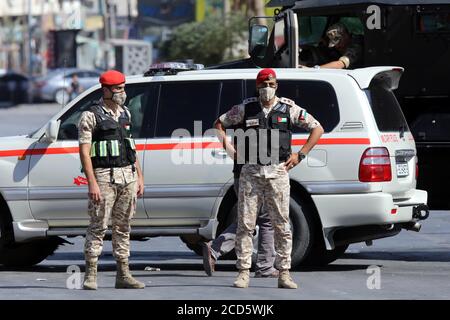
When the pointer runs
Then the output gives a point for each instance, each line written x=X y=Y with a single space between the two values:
x=386 y=109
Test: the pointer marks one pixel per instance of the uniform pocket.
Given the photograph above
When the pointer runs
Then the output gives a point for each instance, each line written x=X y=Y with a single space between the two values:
x=102 y=149
x=114 y=149
x=94 y=150
x=130 y=143
x=131 y=149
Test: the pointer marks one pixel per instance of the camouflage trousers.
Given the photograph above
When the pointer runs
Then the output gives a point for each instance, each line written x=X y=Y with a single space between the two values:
x=255 y=190
x=118 y=204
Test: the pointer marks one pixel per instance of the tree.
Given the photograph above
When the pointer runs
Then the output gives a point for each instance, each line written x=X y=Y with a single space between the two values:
x=216 y=39
x=208 y=42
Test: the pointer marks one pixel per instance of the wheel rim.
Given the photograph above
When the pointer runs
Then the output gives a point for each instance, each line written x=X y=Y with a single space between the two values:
x=61 y=96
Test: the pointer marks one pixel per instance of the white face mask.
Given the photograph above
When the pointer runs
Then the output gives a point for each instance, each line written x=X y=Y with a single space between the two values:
x=119 y=98
x=267 y=94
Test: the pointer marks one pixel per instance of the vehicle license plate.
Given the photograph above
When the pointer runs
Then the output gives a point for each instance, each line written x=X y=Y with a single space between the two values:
x=402 y=170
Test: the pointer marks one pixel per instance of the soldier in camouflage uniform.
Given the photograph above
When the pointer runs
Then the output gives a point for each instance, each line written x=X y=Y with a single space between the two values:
x=266 y=181
x=108 y=156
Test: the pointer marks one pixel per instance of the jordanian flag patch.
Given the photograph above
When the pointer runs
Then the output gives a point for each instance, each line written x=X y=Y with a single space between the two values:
x=127 y=127
x=282 y=120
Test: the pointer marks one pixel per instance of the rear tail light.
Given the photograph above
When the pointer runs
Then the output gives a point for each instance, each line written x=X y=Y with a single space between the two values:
x=375 y=166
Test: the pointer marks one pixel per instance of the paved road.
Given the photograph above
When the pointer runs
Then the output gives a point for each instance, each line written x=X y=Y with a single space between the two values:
x=412 y=266
x=26 y=118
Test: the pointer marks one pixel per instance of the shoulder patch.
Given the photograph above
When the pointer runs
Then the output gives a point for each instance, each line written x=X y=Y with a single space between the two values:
x=250 y=100
x=234 y=110
x=287 y=101
x=303 y=114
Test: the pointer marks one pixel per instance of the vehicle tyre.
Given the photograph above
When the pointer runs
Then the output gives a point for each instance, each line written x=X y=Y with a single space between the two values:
x=62 y=96
x=303 y=227
x=303 y=232
x=25 y=254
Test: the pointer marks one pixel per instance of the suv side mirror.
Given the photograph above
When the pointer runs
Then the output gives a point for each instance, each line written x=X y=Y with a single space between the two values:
x=257 y=44
x=51 y=132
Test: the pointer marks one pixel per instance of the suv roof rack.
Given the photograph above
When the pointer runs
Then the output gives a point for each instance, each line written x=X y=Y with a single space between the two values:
x=171 y=68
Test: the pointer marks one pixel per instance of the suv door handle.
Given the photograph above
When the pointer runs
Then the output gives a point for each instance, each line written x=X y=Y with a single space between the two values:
x=219 y=153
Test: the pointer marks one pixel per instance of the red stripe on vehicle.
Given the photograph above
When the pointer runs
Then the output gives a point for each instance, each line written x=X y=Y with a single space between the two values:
x=184 y=145
x=331 y=141
x=171 y=146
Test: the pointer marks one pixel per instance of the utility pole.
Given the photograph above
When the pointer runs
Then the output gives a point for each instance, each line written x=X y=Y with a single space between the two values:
x=106 y=31
x=104 y=13
x=30 y=37
x=112 y=19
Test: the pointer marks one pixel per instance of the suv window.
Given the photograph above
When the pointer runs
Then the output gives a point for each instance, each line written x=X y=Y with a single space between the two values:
x=182 y=103
x=317 y=97
x=68 y=129
x=138 y=98
x=431 y=127
x=385 y=108
x=230 y=95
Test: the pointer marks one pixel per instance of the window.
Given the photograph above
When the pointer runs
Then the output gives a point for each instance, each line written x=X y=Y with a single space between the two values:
x=141 y=101
x=92 y=74
x=311 y=29
x=68 y=130
x=70 y=75
x=231 y=95
x=431 y=127
x=435 y=22
x=386 y=109
x=140 y=96
x=183 y=103
x=317 y=97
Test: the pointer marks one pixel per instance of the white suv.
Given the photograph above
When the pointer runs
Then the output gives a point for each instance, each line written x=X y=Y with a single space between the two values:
x=357 y=184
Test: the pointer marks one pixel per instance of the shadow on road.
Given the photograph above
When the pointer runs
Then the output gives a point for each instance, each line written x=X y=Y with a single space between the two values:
x=415 y=256
x=31 y=287
x=110 y=266
x=171 y=262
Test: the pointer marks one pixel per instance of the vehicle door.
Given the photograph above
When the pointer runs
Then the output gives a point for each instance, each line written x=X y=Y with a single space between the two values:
x=395 y=136
x=186 y=170
x=57 y=185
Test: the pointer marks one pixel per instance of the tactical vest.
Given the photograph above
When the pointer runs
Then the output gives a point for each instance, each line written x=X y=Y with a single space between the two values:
x=112 y=144
x=258 y=128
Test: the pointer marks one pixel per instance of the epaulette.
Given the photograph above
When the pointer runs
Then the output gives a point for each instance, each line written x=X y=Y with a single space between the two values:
x=287 y=101
x=250 y=100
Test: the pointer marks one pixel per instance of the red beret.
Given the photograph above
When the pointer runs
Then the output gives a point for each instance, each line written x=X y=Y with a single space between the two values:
x=264 y=75
x=112 y=77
